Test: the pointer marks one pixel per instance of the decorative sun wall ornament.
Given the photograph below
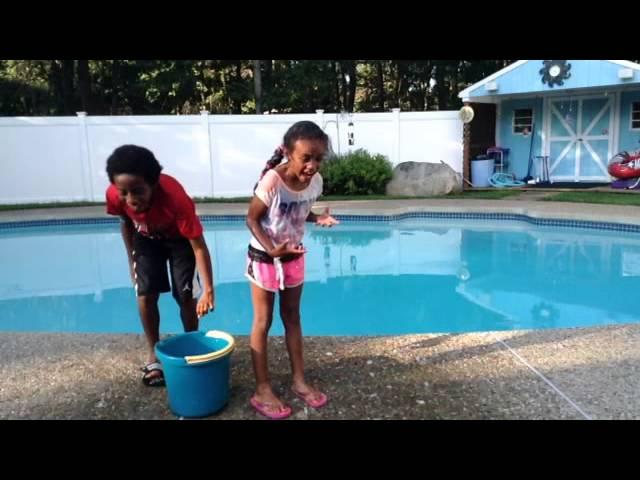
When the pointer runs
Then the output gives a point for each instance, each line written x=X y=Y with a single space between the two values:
x=555 y=72
x=466 y=114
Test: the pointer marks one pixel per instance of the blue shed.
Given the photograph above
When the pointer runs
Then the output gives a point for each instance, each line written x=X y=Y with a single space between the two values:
x=576 y=113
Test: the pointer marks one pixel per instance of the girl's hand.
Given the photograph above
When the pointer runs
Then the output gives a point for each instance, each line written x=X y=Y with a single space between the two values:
x=326 y=220
x=287 y=249
x=206 y=304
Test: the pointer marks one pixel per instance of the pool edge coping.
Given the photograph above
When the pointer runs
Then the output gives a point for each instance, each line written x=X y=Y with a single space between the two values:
x=597 y=217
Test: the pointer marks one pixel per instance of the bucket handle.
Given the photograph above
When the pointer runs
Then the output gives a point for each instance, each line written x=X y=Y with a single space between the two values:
x=207 y=357
x=192 y=359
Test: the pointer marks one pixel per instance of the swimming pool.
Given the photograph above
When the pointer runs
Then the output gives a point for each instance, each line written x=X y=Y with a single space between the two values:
x=368 y=276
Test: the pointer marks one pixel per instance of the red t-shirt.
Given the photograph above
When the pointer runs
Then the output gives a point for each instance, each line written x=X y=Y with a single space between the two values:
x=172 y=213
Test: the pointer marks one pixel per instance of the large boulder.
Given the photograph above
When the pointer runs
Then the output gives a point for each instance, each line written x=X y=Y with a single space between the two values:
x=420 y=179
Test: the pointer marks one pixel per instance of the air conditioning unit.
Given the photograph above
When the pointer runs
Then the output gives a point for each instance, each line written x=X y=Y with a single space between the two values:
x=625 y=74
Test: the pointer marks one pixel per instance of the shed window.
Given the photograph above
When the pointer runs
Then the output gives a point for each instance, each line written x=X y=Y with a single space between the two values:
x=523 y=121
x=635 y=115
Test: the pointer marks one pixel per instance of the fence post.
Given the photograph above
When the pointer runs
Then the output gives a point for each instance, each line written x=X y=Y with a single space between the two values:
x=87 y=171
x=396 y=136
x=321 y=123
x=320 y=117
x=205 y=149
x=466 y=154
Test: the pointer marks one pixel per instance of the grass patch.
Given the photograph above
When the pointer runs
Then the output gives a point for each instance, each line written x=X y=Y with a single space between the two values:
x=31 y=206
x=221 y=200
x=496 y=194
x=595 y=197
x=610 y=198
x=484 y=194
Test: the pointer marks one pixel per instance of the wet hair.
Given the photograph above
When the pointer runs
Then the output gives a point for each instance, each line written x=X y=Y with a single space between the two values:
x=134 y=160
x=304 y=130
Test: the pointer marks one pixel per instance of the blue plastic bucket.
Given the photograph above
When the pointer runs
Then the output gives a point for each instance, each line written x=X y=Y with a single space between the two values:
x=197 y=371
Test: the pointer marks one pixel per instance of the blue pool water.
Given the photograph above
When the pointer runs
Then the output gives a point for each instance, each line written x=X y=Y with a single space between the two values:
x=410 y=276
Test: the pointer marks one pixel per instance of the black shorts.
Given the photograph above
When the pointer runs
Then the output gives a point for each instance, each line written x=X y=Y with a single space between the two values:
x=150 y=257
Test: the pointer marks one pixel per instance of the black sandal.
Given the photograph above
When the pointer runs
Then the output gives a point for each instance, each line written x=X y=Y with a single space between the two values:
x=155 y=380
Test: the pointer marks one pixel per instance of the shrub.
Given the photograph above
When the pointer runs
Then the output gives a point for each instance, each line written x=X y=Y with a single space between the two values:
x=356 y=173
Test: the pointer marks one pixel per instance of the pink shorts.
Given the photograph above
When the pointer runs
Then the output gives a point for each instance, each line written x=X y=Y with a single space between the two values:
x=276 y=276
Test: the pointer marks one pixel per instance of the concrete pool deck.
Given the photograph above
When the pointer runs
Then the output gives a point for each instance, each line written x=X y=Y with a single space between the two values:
x=537 y=374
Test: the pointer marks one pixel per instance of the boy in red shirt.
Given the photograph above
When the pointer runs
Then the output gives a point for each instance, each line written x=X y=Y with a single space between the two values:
x=159 y=224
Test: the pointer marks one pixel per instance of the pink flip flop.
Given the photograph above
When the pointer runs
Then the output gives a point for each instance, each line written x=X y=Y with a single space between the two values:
x=261 y=408
x=321 y=402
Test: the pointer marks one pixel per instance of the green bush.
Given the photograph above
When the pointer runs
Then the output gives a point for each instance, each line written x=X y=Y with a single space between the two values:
x=356 y=173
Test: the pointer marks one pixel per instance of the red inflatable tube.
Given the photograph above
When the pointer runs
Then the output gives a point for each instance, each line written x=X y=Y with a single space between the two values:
x=625 y=165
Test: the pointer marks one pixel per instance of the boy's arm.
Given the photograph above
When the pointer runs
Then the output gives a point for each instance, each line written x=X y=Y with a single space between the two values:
x=127 y=229
x=206 y=303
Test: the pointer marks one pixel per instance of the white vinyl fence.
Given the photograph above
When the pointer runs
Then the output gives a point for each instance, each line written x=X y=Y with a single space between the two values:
x=45 y=159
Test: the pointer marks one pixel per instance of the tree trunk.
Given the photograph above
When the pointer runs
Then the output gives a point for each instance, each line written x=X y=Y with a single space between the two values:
x=380 y=78
x=84 y=85
x=441 y=88
x=343 y=87
x=267 y=83
x=452 y=98
x=115 y=81
x=67 y=86
x=348 y=69
x=397 y=90
x=351 y=88
x=257 y=85
x=338 y=76
x=56 y=105
x=237 y=101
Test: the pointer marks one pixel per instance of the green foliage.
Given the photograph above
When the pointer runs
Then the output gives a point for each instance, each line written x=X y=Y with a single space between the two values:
x=161 y=87
x=356 y=173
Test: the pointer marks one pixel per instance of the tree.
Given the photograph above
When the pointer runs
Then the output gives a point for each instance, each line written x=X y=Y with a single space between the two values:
x=154 y=87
